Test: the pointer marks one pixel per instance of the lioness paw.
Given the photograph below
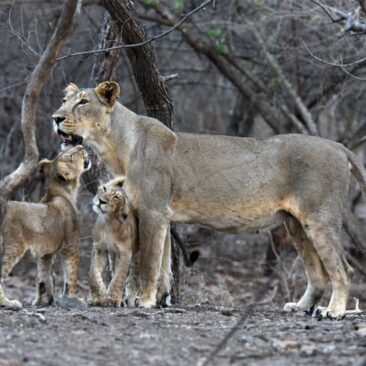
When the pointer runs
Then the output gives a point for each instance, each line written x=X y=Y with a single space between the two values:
x=324 y=313
x=13 y=304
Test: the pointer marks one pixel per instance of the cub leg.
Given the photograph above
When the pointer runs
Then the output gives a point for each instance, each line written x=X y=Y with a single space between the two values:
x=133 y=283
x=96 y=283
x=163 y=295
x=115 y=289
x=44 y=284
x=70 y=264
x=314 y=268
x=153 y=229
x=12 y=254
x=328 y=246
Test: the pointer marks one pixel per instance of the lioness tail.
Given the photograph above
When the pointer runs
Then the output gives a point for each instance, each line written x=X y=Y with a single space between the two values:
x=357 y=169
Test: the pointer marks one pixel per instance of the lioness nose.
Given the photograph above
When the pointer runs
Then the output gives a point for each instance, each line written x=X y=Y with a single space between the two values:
x=58 y=119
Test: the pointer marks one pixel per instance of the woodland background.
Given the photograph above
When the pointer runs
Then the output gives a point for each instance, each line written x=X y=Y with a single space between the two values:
x=238 y=67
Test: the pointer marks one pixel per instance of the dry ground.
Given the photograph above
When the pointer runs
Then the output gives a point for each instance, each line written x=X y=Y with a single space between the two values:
x=190 y=334
x=178 y=336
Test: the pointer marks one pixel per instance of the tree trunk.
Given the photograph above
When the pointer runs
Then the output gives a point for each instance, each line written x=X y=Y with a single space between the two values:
x=25 y=170
x=150 y=83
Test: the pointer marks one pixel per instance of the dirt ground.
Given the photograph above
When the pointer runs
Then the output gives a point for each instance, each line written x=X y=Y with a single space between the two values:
x=194 y=334
x=219 y=294
x=177 y=336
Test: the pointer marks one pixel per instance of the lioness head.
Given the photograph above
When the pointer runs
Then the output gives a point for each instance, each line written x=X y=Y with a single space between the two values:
x=110 y=198
x=85 y=112
x=68 y=165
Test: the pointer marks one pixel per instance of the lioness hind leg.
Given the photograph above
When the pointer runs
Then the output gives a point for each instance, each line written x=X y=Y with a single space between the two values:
x=96 y=283
x=115 y=289
x=44 y=284
x=314 y=268
x=328 y=246
x=12 y=254
x=163 y=294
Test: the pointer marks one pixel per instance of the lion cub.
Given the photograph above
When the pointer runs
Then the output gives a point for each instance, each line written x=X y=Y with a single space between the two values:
x=46 y=228
x=114 y=235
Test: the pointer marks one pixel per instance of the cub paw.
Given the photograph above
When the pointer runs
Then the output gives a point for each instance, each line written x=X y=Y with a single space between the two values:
x=111 y=302
x=130 y=301
x=95 y=301
x=146 y=302
x=291 y=307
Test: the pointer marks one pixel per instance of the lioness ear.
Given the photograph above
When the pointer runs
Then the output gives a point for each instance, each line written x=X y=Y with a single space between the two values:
x=119 y=181
x=71 y=88
x=45 y=166
x=108 y=92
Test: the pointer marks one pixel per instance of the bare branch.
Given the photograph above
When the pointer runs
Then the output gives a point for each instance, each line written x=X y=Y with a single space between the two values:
x=63 y=29
x=147 y=41
x=303 y=110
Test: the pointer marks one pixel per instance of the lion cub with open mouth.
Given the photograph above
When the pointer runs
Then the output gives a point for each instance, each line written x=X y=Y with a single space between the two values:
x=114 y=236
x=46 y=228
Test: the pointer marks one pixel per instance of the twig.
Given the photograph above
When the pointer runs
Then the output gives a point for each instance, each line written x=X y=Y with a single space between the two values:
x=149 y=40
x=223 y=343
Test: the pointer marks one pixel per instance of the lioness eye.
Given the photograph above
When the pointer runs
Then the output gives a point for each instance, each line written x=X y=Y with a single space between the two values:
x=104 y=189
x=83 y=101
x=63 y=100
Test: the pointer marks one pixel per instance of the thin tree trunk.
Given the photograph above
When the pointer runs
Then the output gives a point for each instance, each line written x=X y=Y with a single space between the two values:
x=19 y=177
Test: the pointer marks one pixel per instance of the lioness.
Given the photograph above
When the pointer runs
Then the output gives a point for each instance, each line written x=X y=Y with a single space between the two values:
x=224 y=183
x=46 y=228
x=114 y=235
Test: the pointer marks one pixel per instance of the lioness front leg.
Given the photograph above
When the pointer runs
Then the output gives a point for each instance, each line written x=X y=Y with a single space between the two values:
x=314 y=268
x=153 y=229
x=44 y=283
x=163 y=295
x=96 y=283
x=115 y=289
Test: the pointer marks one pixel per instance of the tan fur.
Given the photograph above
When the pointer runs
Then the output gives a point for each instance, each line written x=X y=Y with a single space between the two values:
x=46 y=228
x=114 y=235
x=224 y=183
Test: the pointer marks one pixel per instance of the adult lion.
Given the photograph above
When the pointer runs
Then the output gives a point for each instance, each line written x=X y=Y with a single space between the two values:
x=224 y=183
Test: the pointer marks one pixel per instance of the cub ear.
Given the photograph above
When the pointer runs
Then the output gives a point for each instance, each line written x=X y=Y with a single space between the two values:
x=119 y=181
x=71 y=88
x=107 y=92
x=45 y=166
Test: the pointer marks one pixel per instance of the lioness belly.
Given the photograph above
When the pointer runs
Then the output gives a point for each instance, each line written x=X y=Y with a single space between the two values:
x=249 y=217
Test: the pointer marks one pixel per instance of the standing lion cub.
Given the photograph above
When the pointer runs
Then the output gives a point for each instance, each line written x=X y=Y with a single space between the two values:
x=46 y=228
x=114 y=235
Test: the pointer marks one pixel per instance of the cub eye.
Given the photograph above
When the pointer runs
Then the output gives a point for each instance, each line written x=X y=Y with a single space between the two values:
x=104 y=189
x=83 y=101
